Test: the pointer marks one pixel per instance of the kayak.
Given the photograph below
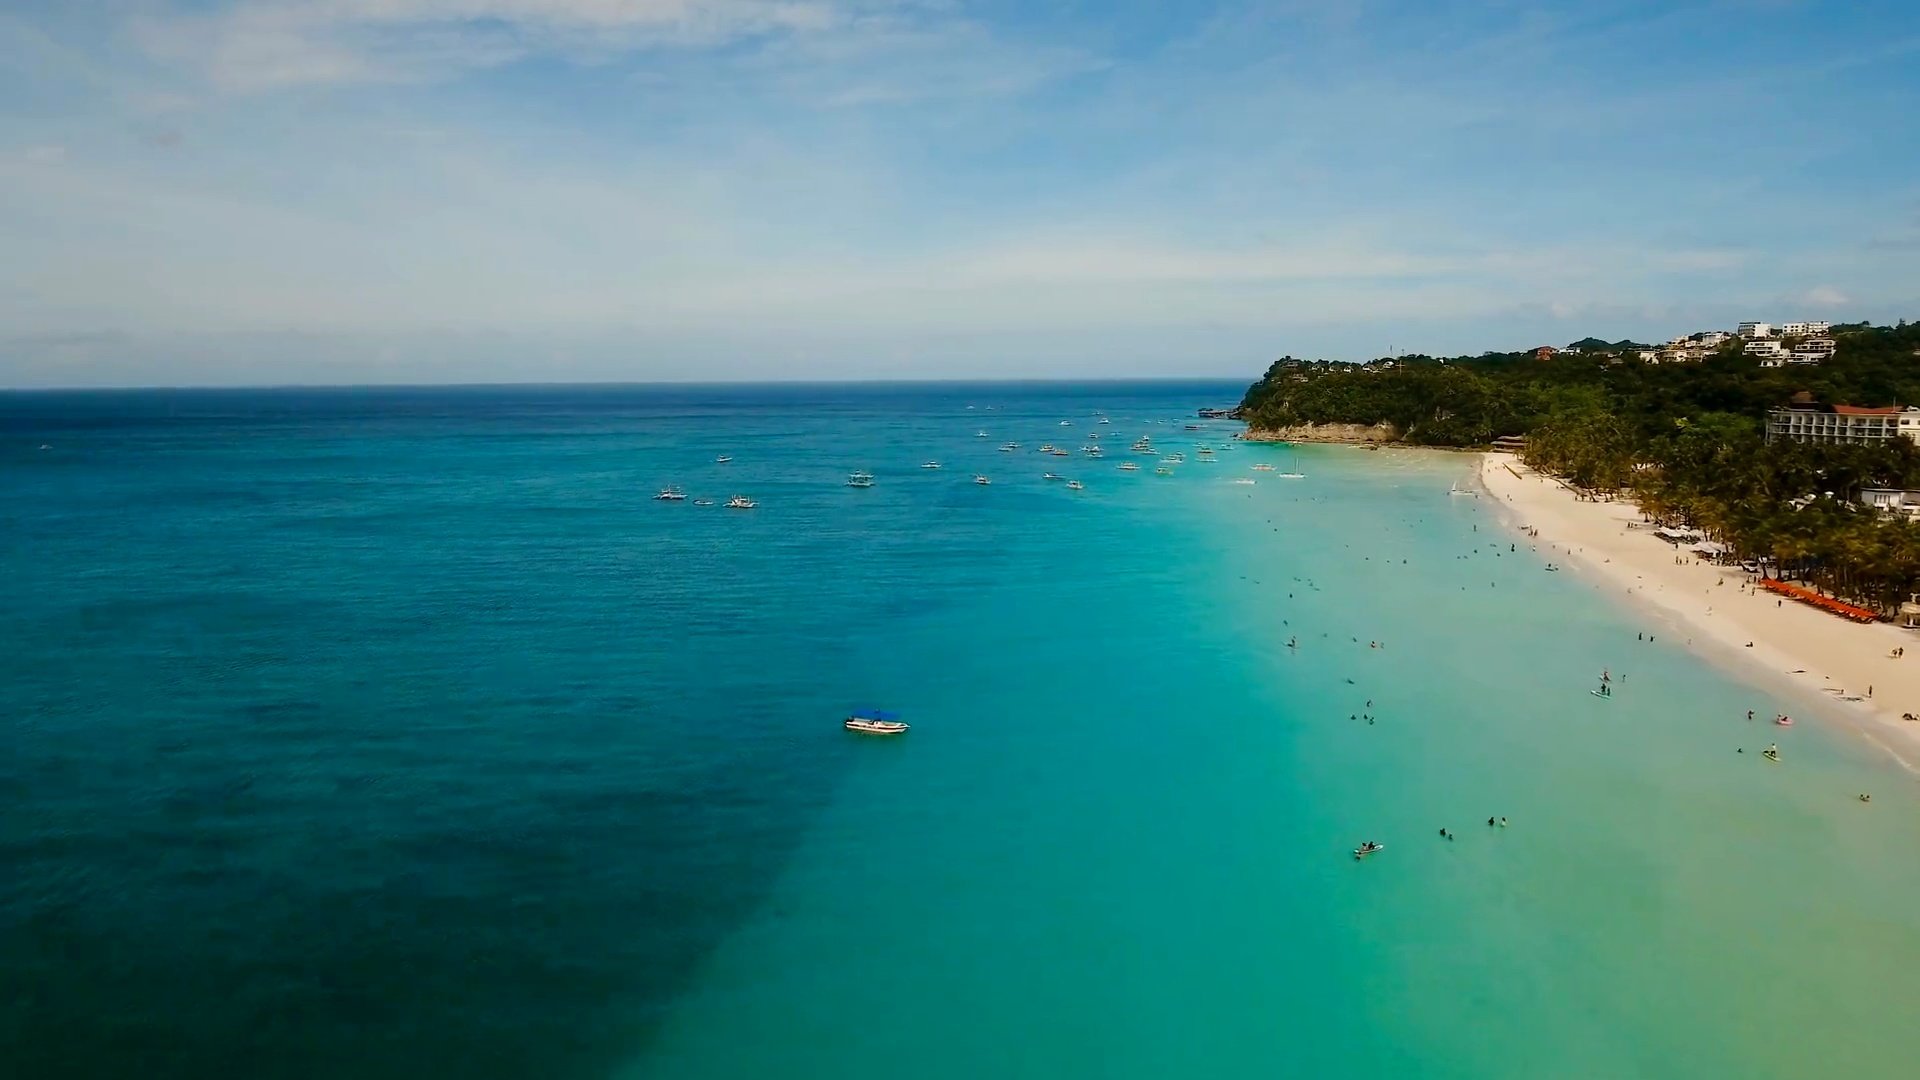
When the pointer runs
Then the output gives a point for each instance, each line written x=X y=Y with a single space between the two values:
x=1361 y=853
x=1598 y=694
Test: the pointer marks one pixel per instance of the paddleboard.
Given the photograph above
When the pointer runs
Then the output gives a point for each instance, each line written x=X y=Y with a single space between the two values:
x=1360 y=853
x=1601 y=696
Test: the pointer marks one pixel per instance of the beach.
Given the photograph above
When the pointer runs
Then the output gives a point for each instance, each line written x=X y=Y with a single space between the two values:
x=1715 y=607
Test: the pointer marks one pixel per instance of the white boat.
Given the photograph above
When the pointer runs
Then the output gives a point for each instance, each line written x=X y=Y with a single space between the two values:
x=981 y=435
x=723 y=459
x=1075 y=485
x=670 y=494
x=703 y=502
x=930 y=465
x=1061 y=453
x=860 y=480
x=1050 y=476
x=982 y=481
x=1263 y=468
x=1046 y=448
x=741 y=502
x=1066 y=423
x=875 y=722
x=1008 y=448
x=1163 y=471
x=1293 y=476
x=1128 y=466
x=1244 y=480
x=1104 y=420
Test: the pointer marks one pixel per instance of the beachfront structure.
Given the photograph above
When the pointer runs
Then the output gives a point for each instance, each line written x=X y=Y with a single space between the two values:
x=1813 y=422
x=1904 y=501
x=1764 y=347
x=1806 y=329
x=1755 y=330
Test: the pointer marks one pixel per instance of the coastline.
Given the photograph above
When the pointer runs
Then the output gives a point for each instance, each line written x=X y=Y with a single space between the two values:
x=1823 y=658
x=1381 y=434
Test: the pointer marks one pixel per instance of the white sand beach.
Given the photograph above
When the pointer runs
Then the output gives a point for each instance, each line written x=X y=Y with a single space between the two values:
x=1715 y=607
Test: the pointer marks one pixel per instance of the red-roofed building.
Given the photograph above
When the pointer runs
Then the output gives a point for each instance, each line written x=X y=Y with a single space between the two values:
x=1545 y=352
x=1812 y=422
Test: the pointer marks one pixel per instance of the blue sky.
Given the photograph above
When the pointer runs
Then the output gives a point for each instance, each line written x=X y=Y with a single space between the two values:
x=203 y=191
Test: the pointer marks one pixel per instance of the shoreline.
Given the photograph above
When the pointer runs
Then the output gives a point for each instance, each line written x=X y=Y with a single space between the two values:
x=1827 y=661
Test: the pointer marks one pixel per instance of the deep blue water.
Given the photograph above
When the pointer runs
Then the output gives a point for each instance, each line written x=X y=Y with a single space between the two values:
x=400 y=733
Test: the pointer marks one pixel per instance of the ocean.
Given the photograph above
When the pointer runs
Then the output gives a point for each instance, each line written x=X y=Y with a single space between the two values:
x=400 y=733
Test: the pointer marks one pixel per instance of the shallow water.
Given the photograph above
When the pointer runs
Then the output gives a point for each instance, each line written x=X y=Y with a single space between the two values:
x=398 y=733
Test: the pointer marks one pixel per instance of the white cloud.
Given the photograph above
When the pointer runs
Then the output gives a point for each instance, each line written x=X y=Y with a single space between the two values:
x=1825 y=296
x=286 y=43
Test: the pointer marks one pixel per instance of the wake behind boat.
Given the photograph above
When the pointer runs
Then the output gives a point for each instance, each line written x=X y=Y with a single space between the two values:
x=875 y=722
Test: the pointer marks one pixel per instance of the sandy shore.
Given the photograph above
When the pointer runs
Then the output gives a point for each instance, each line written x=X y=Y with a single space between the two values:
x=1820 y=653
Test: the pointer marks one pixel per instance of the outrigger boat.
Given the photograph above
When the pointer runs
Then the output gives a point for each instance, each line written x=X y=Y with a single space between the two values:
x=875 y=722
x=860 y=480
x=741 y=502
x=670 y=494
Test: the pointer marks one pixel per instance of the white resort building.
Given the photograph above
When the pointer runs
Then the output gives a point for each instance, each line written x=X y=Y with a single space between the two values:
x=1812 y=422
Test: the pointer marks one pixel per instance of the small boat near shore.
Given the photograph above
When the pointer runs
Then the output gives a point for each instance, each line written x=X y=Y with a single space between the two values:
x=982 y=481
x=930 y=465
x=670 y=494
x=1293 y=476
x=1075 y=485
x=723 y=459
x=860 y=480
x=1263 y=467
x=741 y=502
x=1051 y=476
x=875 y=722
x=1128 y=466
x=1367 y=849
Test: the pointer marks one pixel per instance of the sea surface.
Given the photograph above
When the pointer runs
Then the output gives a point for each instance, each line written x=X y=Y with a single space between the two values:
x=401 y=733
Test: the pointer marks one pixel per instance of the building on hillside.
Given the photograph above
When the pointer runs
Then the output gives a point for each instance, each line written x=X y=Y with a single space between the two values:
x=1773 y=361
x=1545 y=352
x=1755 y=330
x=1813 y=350
x=1904 y=501
x=1711 y=339
x=1651 y=356
x=1806 y=329
x=1764 y=347
x=1813 y=422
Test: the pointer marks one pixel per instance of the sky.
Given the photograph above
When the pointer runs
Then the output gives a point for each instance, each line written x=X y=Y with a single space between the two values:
x=206 y=192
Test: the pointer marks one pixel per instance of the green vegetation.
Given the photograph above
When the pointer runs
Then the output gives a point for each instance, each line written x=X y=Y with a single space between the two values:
x=1683 y=439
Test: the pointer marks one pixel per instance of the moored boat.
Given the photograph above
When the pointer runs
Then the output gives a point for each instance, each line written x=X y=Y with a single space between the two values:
x=860 y=480
x=1075 y=485
x=875 y=722
x=670 y=494
x=741 y=502
x=982 y=481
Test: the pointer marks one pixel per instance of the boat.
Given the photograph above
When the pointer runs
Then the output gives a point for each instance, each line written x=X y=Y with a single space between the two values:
x=1061 y=453
x=723 y=459
x=930 y=465
x=1244 y=480
x=1367 y=849
x=1066 y=423
x=1050 y=476
x=1104 y=420
x=1046 y=448
x=860 y=480
x=1176 y=458
x=982 y=481
x=981 y=435
x=703 y=502
x=1205 y=454
x=1128 y=466
x=1075 y=485
x=1293 y=476
x=1163 y=471
x=1008 y=448
x=1785 y=721
x=741 y=502
x=1263 y=468
x=1094 y=451
x=875 y=722
x=670 y=494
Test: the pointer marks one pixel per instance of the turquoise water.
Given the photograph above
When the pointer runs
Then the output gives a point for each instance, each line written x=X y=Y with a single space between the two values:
x=399 y=733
